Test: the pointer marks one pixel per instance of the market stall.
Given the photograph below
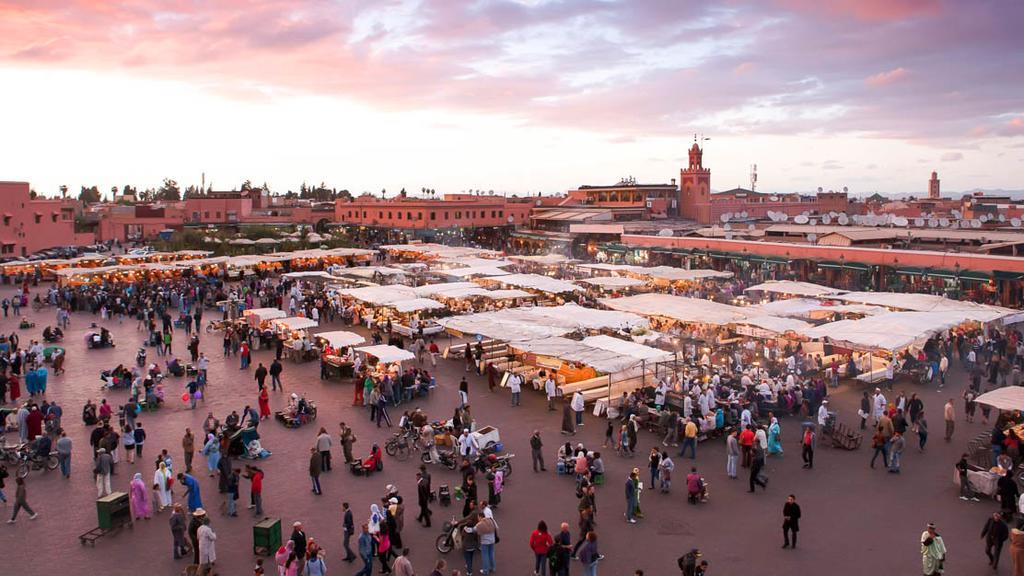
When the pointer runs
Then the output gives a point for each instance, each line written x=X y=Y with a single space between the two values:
x=294 y=331
x=336 y=350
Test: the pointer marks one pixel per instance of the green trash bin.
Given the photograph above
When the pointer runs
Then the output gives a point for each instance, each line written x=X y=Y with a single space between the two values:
x=266 y=537
x=113 y=510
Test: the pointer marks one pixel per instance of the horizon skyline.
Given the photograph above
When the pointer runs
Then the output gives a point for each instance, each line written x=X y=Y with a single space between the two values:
x=519 y=96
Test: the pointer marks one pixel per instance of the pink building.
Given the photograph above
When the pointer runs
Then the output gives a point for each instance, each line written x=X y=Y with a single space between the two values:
x=30 y=225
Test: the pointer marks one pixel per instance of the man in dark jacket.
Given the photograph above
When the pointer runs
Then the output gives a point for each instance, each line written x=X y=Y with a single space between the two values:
x=299 y=542
x=790 y=520
x=261 y=376
x=423 y=499
x=275 y=373
x=995 y=534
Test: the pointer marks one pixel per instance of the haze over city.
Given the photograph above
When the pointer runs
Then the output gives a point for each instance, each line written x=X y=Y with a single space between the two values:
x=515 y=96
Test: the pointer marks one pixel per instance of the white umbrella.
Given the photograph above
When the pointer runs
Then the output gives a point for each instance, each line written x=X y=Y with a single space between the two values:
x=241 y=242
x=267 y=241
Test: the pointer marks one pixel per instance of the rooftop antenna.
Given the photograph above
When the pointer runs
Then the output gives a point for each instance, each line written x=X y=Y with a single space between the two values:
x=753 y=178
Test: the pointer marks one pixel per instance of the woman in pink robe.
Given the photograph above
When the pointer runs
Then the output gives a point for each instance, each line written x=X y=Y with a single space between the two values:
x=139 y=496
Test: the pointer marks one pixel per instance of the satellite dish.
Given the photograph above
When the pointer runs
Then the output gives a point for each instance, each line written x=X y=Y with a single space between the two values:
x=744 y=214
x=812 y=238
x=801 y=219
x=1015 y=222
x=728 y=226
x=857 y=218
x=728 y=235
x=975 y=223
x=665 y=232
x=843 y=219
x=826 y=219
x=932 y=222
x=785 y=217
x=725 y=217
x=919 y=222
x=944 y=222
x=771 y=215
x=751 y=227
x=983 y=218
x=1002 y=217
x=965 y=224
x=773 y=198
x=901 y=221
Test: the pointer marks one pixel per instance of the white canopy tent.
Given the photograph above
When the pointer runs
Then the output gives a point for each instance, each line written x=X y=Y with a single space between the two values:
x=627 y=348
x=262 y=314
x=309 y=275
x=542 y=259
x=387 y=353
x=341 y=338
x=575 y=351
x=538 y=282
x=892 y=332
x=1007 y=398
x=811 y=308
x=929 y=303
x=613 y=281
x=443 y=288
x=416 y=304
x=295 y=323
x=468 y=272
x=678 y=308
x=514 y=324
x=241 y=242
x=370 y=271
x=380 y=295
x=794 y=288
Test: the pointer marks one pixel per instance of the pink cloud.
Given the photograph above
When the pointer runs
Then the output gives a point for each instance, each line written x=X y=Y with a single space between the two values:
x=887 y=77
x=952 y=156
x=655 y=69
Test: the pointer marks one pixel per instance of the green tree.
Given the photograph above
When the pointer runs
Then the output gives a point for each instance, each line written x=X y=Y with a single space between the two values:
x=90 y=195
x=168 y=191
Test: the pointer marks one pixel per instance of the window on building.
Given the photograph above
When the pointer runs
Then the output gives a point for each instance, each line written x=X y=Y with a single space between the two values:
x=389 y=216
x=433 y=215
x=458 y=215
x=53 y=217
x=218 y=215
x=408 y=215
x=399 y=215
x=445 y=215
x=364 y=213
x=7 y=220
x=206 y=214
x=501 y=213
x=419 y=215
x=380 y=215
x=39 y=218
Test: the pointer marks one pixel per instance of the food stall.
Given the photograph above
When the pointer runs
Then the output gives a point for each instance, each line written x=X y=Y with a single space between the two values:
x=294 y=331
x=336 y=350
x=382 y=359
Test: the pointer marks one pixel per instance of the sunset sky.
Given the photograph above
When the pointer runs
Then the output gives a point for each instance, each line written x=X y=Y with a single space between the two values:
x=517 y=96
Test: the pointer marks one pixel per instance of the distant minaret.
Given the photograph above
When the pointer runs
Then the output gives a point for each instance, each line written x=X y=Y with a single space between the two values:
x=933 y=186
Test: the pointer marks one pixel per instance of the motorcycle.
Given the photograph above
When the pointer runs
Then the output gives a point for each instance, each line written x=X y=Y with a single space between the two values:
x=503 y=462
x=446 y=540
x=29 y=460
x=449 y=460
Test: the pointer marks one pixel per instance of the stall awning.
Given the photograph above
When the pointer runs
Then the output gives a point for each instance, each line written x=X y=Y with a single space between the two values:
x=296 y=323
x=341 y=338
x=844 y=266
x=387 y=353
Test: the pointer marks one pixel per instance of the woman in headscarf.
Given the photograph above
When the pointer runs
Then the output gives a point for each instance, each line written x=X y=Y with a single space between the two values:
x=139 y=498
x=774 y=437
x=264 y=401
x=287 y=563
x=212 y=452
x=377 y=527
x=162 y=486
